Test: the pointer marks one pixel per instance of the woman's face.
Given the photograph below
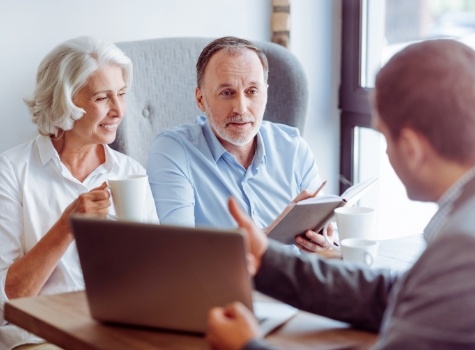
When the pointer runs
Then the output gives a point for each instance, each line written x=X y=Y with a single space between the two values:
x=103 y=100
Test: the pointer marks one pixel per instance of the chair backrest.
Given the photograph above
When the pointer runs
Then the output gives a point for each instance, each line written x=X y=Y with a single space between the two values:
x=163 y=90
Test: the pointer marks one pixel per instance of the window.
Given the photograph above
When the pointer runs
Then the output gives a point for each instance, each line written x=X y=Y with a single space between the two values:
x=373 y=30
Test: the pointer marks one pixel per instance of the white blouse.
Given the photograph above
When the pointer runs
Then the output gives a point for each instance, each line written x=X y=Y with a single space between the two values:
x=35 y=189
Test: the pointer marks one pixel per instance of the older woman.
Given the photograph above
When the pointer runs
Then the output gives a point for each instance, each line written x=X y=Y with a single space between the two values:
x=79 y=102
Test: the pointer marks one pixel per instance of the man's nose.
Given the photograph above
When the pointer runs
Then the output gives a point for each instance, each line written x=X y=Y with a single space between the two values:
x=240 y=104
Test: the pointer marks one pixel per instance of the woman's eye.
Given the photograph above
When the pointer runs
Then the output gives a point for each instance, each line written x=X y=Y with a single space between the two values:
x=99 y=99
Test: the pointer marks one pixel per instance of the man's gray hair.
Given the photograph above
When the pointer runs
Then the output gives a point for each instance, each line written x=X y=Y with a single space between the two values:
x=228 y=44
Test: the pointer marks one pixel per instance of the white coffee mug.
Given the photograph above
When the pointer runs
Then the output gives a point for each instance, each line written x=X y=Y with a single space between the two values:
x=352 y=222
x=128 y=196
x=359 y=250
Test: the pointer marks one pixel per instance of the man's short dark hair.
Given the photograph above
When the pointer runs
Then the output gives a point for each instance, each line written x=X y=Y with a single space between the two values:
x=430 y=88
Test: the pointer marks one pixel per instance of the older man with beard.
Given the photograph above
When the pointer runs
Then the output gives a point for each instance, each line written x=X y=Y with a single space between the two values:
x=231 y=151
x=423 y=105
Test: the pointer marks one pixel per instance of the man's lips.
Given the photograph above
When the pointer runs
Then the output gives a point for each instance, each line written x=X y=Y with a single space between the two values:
x=241 y=121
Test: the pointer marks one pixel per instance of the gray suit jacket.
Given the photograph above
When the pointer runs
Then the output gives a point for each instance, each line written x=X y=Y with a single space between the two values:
x=432 y=306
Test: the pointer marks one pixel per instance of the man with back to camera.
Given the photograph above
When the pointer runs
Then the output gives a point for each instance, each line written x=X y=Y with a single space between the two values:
x=424 y=105
x=231 y=151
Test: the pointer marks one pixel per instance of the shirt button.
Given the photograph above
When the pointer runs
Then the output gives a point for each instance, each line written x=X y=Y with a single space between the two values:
x=254 y=212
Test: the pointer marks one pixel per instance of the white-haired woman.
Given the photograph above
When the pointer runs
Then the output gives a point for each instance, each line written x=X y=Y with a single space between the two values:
x=78 y=103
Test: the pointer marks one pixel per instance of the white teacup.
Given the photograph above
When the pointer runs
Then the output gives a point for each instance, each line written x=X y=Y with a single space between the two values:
x=359 y=250
x=128 y=196
x=353 y=222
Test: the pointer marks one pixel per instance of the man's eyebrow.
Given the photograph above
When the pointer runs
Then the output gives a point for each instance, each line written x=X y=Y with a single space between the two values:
x=228 y=85
x=224 y=85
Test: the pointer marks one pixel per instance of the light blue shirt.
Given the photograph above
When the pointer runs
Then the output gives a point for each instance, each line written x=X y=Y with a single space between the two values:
x=192 y=175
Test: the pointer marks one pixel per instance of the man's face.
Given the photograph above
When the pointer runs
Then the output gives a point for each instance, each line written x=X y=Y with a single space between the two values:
x=233 y=96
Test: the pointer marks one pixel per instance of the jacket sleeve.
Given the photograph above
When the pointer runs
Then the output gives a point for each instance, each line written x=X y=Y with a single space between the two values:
x=435 y=305
x=331 y=288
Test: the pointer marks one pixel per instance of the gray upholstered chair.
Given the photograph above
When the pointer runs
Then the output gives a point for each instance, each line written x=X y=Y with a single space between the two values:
x=163 y=90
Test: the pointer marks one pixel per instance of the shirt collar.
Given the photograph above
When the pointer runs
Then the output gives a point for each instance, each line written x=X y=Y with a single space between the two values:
x=46 y=149
x=446 y=204
x=111 y=160
x=47 y=152
x=451 y=195
x=217 y=149
x=261 y=156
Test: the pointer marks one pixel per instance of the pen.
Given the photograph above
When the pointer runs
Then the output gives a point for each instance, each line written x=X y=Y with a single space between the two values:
x=319 y=188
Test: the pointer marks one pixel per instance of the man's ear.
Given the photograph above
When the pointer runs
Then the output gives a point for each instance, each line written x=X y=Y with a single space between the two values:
x=413 y=147
x=199 y=99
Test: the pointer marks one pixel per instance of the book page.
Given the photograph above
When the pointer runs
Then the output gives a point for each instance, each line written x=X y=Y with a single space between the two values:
x=324 y=198
x=355 y=192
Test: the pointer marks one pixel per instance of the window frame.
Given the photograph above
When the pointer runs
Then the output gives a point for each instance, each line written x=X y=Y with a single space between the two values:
x=354 y=104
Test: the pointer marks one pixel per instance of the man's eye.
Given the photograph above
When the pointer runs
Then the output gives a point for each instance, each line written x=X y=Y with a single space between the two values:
x=226 y=93
x=99 y=99
x=122 y=93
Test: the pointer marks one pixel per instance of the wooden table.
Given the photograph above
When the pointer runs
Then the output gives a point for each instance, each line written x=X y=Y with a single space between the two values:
x=64 y=319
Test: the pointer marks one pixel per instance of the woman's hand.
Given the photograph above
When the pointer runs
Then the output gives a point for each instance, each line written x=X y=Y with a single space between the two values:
x=27 y=275
x=94 y=203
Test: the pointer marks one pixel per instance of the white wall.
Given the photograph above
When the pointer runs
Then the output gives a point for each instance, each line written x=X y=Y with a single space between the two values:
x=29 y=29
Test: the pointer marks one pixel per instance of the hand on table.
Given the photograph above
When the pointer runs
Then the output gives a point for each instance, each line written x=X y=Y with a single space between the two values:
x=231 y=327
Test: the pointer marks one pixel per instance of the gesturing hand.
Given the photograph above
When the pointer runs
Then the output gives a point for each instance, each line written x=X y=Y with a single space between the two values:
x=255 y=239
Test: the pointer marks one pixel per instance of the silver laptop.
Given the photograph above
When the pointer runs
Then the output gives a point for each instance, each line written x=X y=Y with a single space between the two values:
x=163 y=276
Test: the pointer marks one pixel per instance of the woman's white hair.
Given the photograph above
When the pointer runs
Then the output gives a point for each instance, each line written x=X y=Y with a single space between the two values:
x=62 y=73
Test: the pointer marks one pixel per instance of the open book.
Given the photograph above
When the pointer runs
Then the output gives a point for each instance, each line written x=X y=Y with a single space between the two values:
x=313 y=213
